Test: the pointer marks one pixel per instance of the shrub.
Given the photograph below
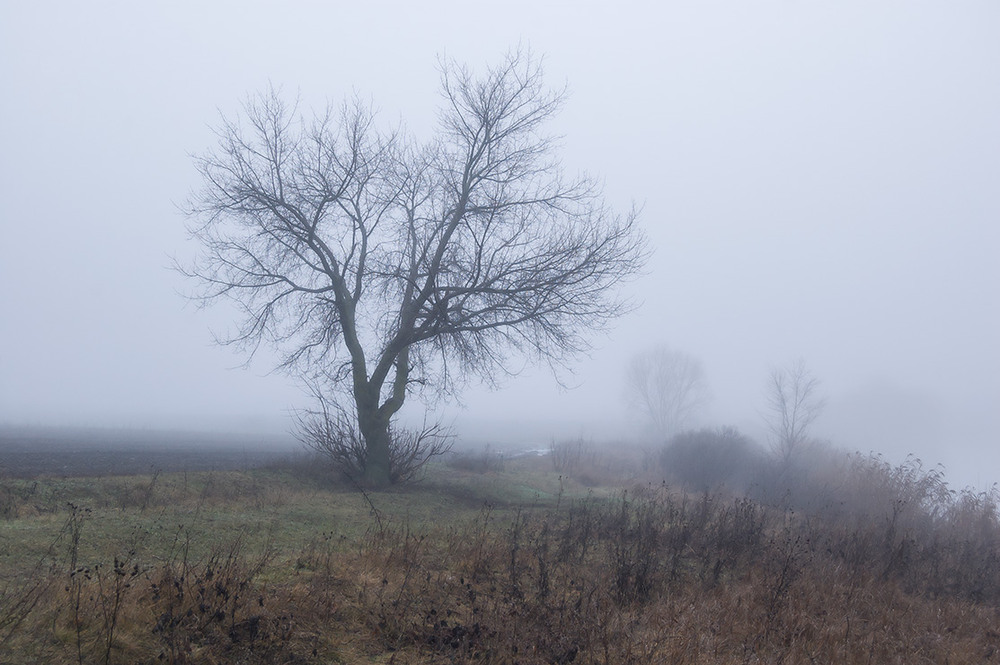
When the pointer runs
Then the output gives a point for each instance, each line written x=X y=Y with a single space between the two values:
x=487 y=461
x=334 y=435
x=710 y=458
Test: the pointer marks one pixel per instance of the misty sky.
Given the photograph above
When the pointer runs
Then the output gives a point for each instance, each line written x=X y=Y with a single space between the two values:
x=819 y=180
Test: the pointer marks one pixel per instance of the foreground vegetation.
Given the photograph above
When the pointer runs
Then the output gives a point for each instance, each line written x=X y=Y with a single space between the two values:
x=569 y=558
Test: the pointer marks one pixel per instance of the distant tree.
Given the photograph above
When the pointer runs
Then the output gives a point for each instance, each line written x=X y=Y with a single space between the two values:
x=667 y=388
x=794 y=402
x=377 y=265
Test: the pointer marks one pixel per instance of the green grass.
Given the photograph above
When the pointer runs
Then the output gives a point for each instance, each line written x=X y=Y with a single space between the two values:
x=270 y=508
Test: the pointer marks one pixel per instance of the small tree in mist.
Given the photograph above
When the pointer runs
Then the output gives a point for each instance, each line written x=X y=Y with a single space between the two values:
x=667 y=388
x=377 y=265
x=794 y=402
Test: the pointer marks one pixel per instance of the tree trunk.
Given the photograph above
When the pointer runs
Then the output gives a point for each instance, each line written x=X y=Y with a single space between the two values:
x=373 y=419
x=375 y=430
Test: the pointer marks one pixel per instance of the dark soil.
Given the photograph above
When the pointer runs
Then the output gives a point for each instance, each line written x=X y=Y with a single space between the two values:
x=30 y=451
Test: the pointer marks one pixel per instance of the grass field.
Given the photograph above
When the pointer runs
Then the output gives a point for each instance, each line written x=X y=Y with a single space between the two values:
x=487 y=563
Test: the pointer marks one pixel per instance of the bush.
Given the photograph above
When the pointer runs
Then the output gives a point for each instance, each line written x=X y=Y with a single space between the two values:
x=333 y=434
x=711 y=458
x=487 y=461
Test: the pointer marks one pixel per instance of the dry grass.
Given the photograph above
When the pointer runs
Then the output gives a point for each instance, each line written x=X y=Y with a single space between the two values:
x=270 y=568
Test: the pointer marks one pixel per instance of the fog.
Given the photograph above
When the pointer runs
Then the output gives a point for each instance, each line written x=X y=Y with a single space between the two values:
x=818 y=181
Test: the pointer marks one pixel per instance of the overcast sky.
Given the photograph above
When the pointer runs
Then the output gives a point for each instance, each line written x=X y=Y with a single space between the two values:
x=819 y=180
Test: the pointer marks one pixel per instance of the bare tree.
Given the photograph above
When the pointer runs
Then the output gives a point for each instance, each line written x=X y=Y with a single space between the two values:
x=793 y=403
x=667 y=387
x=377 y=265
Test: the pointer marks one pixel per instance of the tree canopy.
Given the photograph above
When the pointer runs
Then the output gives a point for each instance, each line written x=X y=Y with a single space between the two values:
x=376 y=263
